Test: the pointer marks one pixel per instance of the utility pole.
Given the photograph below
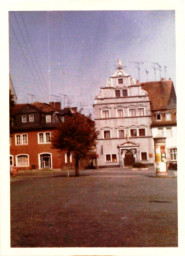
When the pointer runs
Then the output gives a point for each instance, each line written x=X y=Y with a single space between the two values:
x=165 y=71
x=159 y=68
x=138 y=63
x=154 y=67
x=146 y=71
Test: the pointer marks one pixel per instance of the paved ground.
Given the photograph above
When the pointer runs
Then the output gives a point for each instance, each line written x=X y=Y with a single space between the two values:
x=101 y=208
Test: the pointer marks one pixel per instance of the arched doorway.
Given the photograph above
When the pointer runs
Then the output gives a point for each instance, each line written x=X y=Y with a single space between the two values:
x=129 y=159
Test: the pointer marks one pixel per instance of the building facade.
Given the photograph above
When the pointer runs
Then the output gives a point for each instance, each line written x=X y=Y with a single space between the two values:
x=164 y=123
x=32 y=127
x=122 y=115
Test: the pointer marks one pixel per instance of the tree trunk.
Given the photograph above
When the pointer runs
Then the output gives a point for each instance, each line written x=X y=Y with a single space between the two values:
x=77 y=166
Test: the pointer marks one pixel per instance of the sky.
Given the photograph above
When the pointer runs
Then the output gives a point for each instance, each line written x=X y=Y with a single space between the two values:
x=68 y=55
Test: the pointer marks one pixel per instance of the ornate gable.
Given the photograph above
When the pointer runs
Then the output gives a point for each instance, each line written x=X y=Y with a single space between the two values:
x=128 y=144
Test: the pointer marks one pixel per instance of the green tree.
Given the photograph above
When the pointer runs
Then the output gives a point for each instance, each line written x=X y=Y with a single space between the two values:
x=77 y=134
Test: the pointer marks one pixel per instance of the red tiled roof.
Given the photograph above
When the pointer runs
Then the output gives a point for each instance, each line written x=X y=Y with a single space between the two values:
x=161 y=94
x=43 y=107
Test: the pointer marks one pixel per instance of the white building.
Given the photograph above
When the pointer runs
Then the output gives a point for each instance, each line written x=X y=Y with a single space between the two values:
x=123 y=117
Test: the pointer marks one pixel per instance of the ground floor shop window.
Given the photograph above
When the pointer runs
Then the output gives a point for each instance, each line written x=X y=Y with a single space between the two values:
x=111 y=158
x=22 y=160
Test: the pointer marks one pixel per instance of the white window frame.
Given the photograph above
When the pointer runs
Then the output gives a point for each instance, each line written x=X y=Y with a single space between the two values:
x=43 y=153
x=174 y=153
x=146 y=156
x=120 y=129
x=105 y=109
x=143 y=111
x=170 y=116
x=48 y=118
x=122 y=92
x=24 y=118
x=111 y=158
x=143 y=129
x=160 y=116
x=120 y=79
x=44 y=137
x=28 y=162
x=21 y=139
x=107 y=130
x=31 y=118
x=70 y=158
x=133 y=128
x=132 y=109
x=117 y=110
x=119 y=93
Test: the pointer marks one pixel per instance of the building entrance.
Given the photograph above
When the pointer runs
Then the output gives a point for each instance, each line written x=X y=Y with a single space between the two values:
x=129 y=159
x=45 y=160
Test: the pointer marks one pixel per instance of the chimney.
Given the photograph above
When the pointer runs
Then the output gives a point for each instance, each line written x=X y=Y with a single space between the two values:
x=55 y=105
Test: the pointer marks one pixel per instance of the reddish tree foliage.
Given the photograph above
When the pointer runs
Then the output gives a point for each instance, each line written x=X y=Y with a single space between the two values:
x=76 y=134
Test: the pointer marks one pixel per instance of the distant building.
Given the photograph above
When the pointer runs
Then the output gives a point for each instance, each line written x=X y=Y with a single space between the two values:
x=123 y=117
x=30 y=139
x=163 y=105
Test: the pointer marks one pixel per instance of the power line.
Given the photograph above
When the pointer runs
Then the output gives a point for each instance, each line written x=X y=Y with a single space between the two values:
x=31 y=58
x=29 y=39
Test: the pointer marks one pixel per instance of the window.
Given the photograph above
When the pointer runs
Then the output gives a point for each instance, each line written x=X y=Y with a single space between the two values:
x=44 y=137
x=160 y=132
x=168 y=132
x=31 y=118
x=143 y=156
x=173 y=154
x=21 y=139
x=48 y=118
x=48 y=137
x=132 y=112
x=11 y=161
x=168 y=116
x=108 y=158
x=111 y=158
x=158 y=117
x=133 y=132
x=114 y=158
x=117 y=92
x=22 y=160
x=68 y=158
x=142 y=132
x=24 y=118
x=121 y=134
x=106 y=134
x=124 y=92
x=120 y=81
x=105 y=113
x=119 y=112
x=140 y=111
x=25 y=139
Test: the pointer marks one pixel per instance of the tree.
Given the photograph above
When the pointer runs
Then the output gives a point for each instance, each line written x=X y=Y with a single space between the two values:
x=76 y=134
